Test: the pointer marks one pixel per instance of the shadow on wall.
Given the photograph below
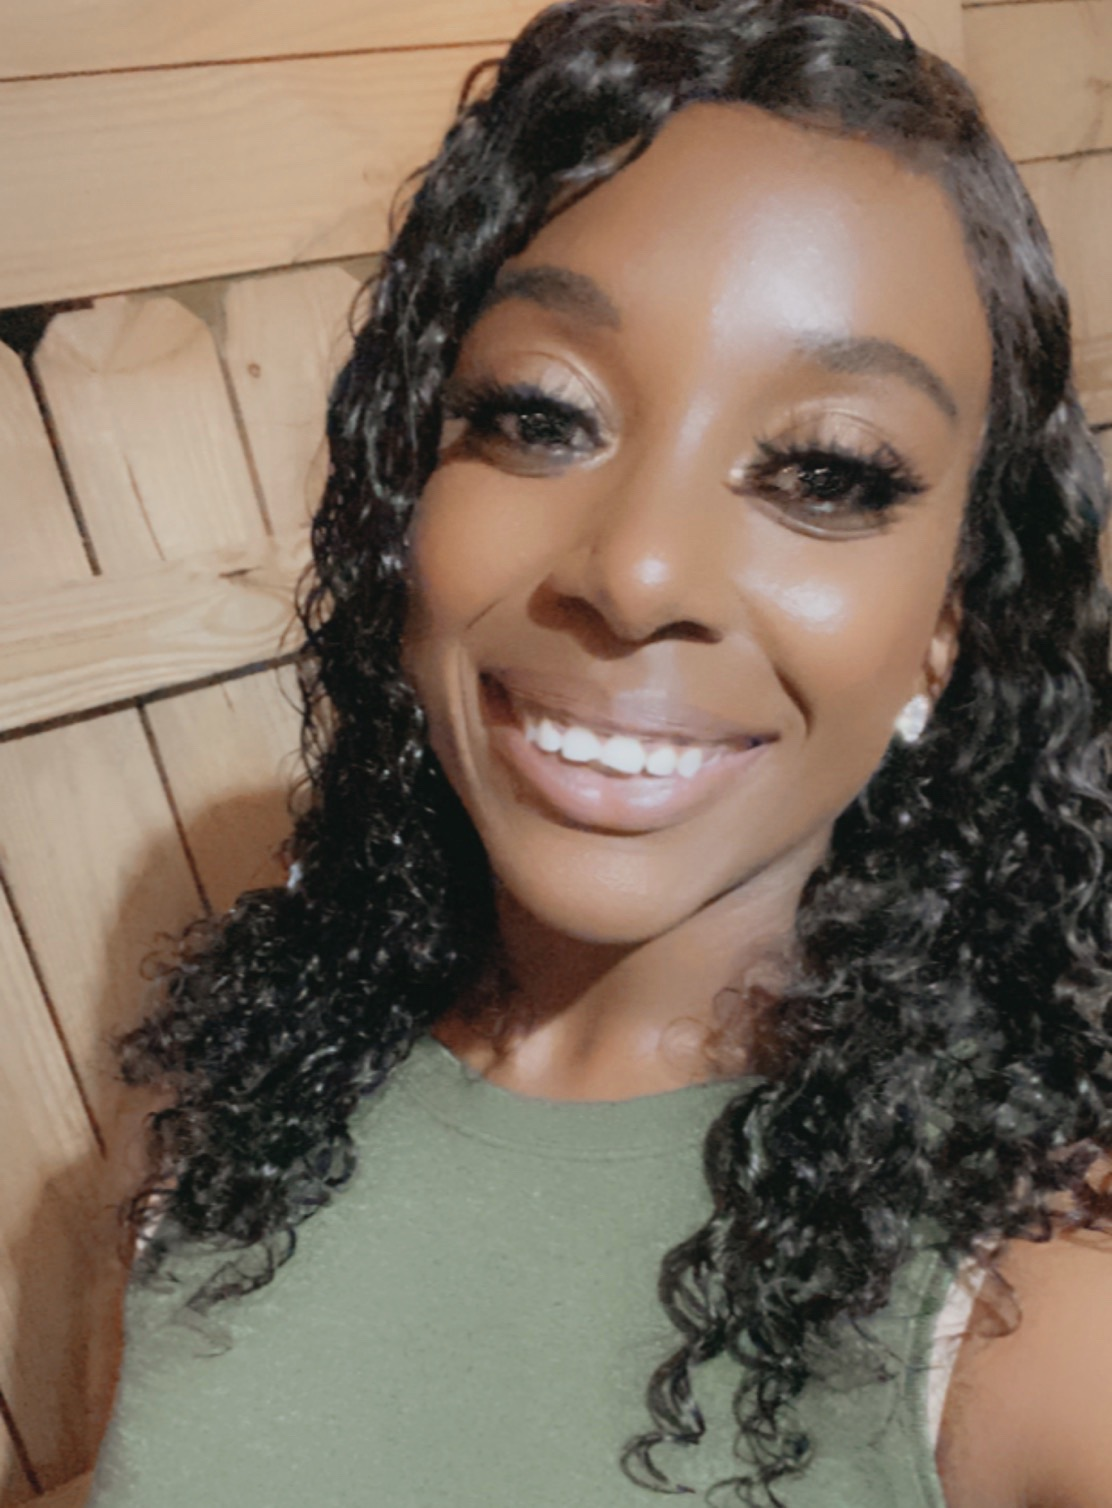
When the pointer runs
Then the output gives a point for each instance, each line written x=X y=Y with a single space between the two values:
x=71 y=1263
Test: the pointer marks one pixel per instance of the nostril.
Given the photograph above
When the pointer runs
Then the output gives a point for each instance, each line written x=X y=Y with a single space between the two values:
x=687 y=631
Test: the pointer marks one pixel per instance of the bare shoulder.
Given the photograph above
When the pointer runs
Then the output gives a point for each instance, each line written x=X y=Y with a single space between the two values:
x=1027 y=1415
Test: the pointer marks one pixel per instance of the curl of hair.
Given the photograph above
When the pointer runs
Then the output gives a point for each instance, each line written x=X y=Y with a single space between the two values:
x=948 y=1004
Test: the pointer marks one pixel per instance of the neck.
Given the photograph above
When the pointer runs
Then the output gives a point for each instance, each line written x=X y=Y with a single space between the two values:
x=568 y=1019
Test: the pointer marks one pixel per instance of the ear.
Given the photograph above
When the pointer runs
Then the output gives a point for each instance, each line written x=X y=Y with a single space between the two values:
x=942 y=651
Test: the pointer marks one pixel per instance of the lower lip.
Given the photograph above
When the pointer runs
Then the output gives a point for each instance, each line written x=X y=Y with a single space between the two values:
x=585 y=796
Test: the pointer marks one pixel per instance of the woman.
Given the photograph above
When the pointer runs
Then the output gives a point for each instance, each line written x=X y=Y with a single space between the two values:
x=708 y=708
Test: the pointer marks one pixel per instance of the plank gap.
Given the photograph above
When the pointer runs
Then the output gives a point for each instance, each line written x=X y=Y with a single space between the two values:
x=48 y=1001
x=241 y=431
x=1009 y=4
x=25 y=1463
x=369 y=259
x=63 y=466
x=132 y=703
x=171 y=801
x=258 y=58
x=1082 y=153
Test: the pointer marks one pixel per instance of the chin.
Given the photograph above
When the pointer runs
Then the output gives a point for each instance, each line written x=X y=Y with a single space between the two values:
x=602 y=899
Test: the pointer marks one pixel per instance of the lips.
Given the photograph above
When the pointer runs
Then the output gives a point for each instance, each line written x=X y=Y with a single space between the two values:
x=643 y=712
x=631 y=761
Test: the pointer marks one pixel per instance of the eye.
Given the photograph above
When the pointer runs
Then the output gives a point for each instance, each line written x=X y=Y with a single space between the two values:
x=519 y=423
x=828 y=487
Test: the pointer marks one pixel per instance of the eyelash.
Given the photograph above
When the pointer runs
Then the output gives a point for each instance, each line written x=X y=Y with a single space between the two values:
x=828 y=486
x=565 y=429
x=821 y=486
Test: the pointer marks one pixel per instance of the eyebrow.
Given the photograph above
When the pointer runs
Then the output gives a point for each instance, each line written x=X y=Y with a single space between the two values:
x=555 y=288
x=567 y=292
x=883 y=358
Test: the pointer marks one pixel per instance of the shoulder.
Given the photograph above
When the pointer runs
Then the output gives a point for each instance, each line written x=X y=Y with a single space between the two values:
x=1028 y=1408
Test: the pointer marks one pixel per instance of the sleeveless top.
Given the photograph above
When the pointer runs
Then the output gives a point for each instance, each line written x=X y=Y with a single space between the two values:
x=473 y=1321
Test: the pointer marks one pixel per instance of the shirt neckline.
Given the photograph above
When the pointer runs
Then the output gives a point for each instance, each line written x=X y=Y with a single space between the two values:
x=459 y=1096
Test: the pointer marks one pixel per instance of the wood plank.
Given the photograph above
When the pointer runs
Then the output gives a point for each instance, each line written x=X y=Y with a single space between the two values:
x=230 y=754
x=1044 y=74
x=97 y=643
x=75 y=36
x=90 y=849
x=935 y=24
x=141 y=408
x=1074 y=198
x=1094 y=378
x=78 y=36
x=136 y=180
x=42 y=545
x=286 y=336
x=56 y=1347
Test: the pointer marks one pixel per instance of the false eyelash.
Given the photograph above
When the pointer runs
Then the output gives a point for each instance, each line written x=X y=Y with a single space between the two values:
x=881 y=476
x=482 y=402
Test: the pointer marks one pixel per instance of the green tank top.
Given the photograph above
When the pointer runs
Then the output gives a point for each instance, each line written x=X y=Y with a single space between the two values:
x=473 y=1322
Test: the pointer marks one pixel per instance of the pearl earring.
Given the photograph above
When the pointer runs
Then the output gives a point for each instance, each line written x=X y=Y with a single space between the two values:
x=913 y=719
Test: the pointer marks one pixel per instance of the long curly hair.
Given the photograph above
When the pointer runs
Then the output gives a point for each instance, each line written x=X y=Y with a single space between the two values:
x=947 y=1008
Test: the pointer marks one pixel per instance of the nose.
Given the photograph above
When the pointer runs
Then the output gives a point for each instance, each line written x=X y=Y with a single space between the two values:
x=650 y=559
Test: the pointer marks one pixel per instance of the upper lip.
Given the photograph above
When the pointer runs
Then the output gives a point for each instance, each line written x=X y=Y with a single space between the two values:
x=643 y=712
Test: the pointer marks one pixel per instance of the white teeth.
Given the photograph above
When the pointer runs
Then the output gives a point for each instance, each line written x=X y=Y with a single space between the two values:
x=624 y=754
x=581 y=746
x=620 y=752
x=662 y=761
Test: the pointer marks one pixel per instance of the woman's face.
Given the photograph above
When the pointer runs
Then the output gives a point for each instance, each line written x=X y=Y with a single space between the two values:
x=686 y=553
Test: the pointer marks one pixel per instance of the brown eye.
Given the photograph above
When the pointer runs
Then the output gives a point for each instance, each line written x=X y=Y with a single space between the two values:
x=523 y=419
x=828 y=488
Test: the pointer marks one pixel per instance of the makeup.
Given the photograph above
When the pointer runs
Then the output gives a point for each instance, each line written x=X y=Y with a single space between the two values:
x=632 y=763
x=688 y=547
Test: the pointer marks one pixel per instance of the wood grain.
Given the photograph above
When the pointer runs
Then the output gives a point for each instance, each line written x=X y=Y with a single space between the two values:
x=42 y=545
x=79 y=36
x=286 y=336
x=137 y=180
x=1094 y=378
x=1044 y=74
x=936 y=25
x=141 y=408
x=1074 y=197
x=97 y=643
x=53 y=1350
x=230 y=754
x=90 y=849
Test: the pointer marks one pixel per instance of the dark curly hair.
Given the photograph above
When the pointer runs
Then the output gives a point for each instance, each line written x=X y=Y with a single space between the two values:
x=947 y=1006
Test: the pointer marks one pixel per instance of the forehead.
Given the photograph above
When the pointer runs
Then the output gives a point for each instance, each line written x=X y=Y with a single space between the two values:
x=748 y=227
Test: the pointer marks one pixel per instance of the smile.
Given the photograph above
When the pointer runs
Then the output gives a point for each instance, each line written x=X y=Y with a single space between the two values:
x=601 y=763
x=619 y=753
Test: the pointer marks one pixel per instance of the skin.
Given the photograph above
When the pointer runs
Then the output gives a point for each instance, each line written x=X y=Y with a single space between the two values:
x=736 y=257
x=714 y=286
x=1026 y=1417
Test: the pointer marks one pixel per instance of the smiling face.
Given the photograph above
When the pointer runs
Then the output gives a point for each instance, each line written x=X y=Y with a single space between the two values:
x=686 y=553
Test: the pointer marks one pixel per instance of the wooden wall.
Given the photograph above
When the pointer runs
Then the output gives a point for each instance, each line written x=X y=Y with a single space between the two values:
x=191 y=193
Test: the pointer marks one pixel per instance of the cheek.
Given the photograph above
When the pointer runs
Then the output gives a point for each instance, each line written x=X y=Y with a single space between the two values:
x=849 y=624
x=476 y=540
